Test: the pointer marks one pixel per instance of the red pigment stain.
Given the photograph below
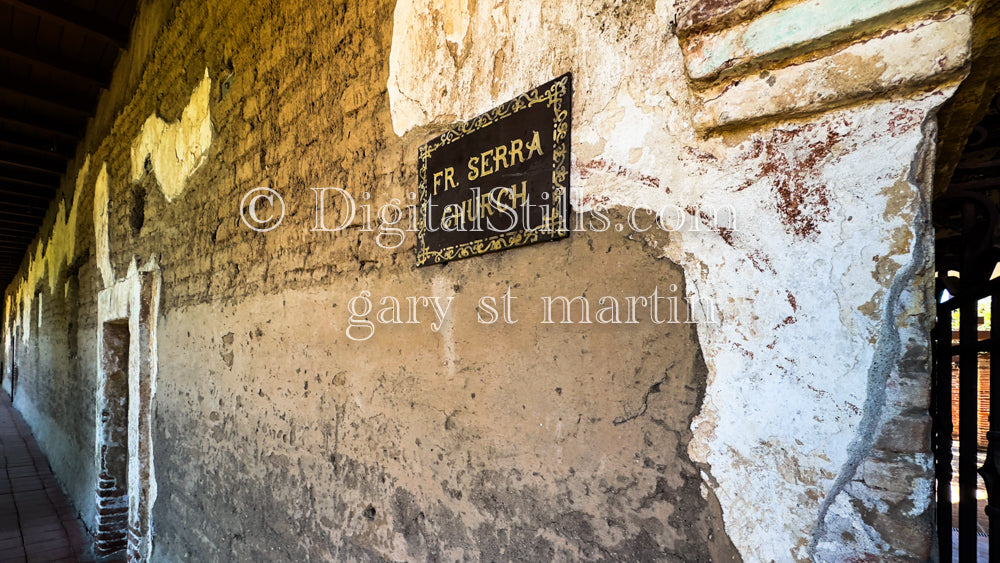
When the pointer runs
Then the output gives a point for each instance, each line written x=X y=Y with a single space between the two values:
x=791 y=300
x=744 y=351
x=902 y=121
x=600 y=165
x=789 y=320
x=592 y=200
x=761 y=263
x=725 y=232
x=792 y=162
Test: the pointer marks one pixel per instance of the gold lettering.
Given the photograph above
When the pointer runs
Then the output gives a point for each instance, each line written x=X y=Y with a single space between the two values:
x=534 y=145
x=517 y=195
x=473 y=168
x=501 y=156
x=515 y=150
x=485 y=168
x=466 y=210
x=449 y=218
x=449 y=178
x=437 y=178
x=484 y=204
x=496 y=159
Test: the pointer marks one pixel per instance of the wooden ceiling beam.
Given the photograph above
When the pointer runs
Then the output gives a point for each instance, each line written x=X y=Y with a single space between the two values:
x=22 y=211
x=7 y=230
x=34 y=178
x=37 y=217
x=17 y=247
x=15 y=188
x=74 y=69
x=33 y=162
x=21 y=202
x=84 y=20
x=29 y=143
x=74 y=104
x=7 y=220
x=10 y=240
x=42 y=124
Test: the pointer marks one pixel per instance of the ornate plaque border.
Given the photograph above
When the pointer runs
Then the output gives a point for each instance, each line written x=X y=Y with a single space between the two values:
x=556 y=94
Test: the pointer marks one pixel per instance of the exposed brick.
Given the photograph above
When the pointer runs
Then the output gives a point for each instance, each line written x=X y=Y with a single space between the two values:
x=913 y=535
x=896 y=476
x=906 y=434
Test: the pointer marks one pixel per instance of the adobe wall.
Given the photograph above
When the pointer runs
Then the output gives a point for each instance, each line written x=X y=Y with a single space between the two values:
x=789 y=423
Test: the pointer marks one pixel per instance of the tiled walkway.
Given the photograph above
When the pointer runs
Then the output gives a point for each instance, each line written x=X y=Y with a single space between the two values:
x=37 y=523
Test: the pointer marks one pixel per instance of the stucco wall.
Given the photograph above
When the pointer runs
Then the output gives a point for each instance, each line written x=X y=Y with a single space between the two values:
x=815 y=121
x=789 y=423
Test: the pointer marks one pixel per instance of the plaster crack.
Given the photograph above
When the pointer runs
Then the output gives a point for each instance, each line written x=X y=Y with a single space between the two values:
x=887 y=354
x=654 y=388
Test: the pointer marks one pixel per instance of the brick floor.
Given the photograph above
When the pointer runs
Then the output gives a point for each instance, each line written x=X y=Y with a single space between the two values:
x=37 y=522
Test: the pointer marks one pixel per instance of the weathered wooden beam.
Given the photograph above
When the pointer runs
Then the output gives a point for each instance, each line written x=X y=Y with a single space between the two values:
x=68 y=14
x=76 y=70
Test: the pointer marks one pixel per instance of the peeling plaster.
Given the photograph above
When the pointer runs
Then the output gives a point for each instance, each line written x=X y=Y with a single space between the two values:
x=50 y=256
x=101 y=235
x=793 y=399
x=175 y=150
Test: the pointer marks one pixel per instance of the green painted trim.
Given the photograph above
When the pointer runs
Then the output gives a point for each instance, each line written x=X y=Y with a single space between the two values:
x=788 y=28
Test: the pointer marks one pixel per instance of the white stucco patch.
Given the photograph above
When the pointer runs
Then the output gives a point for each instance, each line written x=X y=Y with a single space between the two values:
x=829 y=234
x=454 y=67
x=175 y=150
x=101 y=235
x=134 y=299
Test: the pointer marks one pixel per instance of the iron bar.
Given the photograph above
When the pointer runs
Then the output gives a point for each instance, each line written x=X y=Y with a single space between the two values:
x=968 y=376
x=941 y=443
x=991 y=465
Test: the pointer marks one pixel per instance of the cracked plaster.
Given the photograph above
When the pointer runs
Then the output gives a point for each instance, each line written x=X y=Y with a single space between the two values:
x=818 y=287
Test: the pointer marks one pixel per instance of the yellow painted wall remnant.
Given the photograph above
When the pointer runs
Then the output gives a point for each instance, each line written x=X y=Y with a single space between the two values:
x=51 y=254
x=175 y=150
x=101 y=227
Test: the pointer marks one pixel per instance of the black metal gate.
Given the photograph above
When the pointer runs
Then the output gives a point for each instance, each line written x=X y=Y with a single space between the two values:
x=968 y=249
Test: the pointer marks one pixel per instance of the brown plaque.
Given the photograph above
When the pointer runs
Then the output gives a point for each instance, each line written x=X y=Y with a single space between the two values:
x=499 y=180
